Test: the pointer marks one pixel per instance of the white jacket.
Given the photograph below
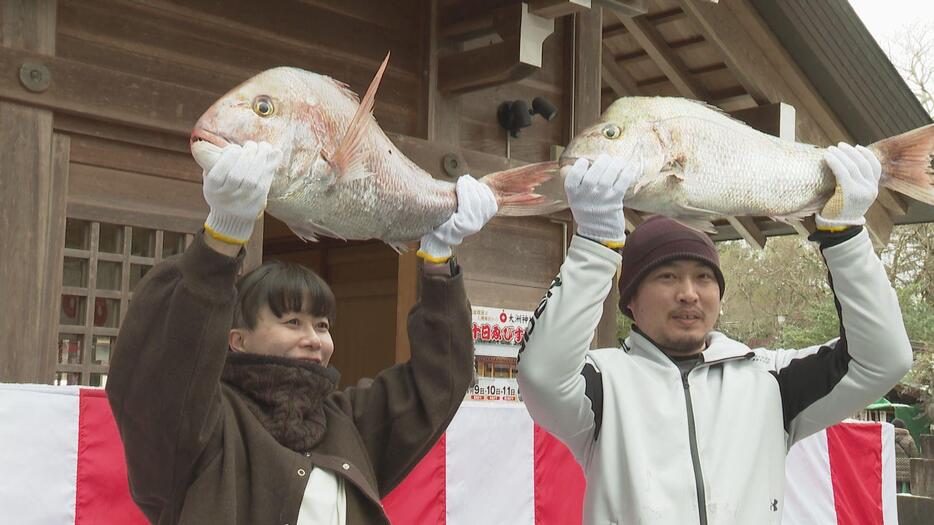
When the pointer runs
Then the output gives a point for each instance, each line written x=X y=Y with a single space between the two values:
x=654 y=448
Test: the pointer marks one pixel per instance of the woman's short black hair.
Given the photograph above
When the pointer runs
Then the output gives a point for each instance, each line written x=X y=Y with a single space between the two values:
x=284 y=287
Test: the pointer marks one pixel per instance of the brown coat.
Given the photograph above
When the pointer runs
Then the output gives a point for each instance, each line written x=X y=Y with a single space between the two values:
x=197 y=455
x=905 y=449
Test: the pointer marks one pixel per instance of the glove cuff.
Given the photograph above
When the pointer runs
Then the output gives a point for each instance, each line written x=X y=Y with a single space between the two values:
x=434 y=250
x=229 y=228
x=604 y=234
x=835 y=225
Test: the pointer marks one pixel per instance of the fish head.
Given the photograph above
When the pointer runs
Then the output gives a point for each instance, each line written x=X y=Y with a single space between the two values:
x=622 y=131
x=277 y=106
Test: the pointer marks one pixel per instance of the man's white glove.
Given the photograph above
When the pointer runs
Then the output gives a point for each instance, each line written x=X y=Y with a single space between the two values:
x=595 y=194
x=857 y=171
x=476 y=205
x=236 y=188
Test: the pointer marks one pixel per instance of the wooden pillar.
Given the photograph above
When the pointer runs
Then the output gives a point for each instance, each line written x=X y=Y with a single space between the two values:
x=585 y=103
x=407 y=296
x=439 y=122
x=31 y=210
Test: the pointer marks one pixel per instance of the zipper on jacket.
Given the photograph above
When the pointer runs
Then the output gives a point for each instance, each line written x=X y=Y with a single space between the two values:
x=695 y=456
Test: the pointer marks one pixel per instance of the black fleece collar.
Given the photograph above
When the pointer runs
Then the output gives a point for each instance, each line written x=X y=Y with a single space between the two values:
x=286 y=395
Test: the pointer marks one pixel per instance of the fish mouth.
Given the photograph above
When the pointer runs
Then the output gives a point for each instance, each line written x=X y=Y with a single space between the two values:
x=210 y=137
x=206 y=147
x=564 y=162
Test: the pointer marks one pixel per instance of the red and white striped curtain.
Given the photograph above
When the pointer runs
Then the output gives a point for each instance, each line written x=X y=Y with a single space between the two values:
x=61 y=463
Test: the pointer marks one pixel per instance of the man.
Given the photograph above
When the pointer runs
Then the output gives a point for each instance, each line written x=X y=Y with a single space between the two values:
x=682 y=424
x=224 y=399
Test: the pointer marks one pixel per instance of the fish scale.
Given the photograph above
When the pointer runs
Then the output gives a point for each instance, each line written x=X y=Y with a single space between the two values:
x=701 y=164
x=340 y=175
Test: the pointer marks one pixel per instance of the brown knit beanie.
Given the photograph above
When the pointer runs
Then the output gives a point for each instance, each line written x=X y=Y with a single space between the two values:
x=655 y=242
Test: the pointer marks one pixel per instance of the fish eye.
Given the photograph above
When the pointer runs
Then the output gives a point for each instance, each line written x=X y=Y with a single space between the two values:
x=263 y=106
x=612 y=131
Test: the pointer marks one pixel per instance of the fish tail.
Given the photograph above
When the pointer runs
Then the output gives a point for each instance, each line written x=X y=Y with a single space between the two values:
x=515 y=190
x=906 y=163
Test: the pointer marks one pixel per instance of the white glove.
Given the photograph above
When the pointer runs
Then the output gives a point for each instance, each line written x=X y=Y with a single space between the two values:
x=236 y=188
x=857 y=171
x=476 y=205
x=595 y=195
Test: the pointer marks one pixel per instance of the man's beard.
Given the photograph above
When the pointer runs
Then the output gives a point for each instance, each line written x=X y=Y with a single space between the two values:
x=684 y=345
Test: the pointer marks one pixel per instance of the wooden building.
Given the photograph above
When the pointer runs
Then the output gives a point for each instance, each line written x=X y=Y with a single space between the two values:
x=97 y=99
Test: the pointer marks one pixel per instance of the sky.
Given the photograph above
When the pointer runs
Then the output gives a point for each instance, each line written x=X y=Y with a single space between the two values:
x=885 y=17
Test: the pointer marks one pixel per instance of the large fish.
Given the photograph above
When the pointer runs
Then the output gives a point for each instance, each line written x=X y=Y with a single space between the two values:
x=700 y=164
x=340 y=175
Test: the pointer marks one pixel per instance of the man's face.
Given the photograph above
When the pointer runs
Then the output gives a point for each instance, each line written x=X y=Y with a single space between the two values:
x=677 y=304
x=297 y=335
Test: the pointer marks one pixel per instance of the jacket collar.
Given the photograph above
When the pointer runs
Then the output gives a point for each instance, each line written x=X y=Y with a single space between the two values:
x=719 y=348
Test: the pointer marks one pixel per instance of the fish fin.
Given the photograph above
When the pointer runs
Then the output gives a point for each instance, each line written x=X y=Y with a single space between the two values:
x=399 y=246
x=672 y=169
x=906 y=163
x=794 y=217
x=310 y=231
x=304 y=234
x=515 y=190
x=347 y=162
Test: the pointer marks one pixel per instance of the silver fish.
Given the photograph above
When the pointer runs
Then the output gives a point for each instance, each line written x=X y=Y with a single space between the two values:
x=701 y=164
x=340 y=175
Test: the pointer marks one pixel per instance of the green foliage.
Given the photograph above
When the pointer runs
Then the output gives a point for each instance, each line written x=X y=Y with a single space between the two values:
x=623 y=325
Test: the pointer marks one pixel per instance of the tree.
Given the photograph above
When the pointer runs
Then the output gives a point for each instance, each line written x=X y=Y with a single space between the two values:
x=912 y=54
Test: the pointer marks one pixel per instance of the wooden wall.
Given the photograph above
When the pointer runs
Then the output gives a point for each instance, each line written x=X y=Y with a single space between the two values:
x=129 y=79
x=479 y=129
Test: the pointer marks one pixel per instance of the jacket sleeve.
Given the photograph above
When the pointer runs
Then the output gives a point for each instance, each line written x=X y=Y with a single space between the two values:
x=552 y=376
x=821 y=386
x=402 y=412
x=164 y=379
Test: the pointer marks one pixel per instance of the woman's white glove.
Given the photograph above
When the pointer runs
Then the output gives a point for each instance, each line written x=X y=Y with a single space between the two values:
x=236 y=188
x=857 y=171
x=476 y=205
x=595 y=194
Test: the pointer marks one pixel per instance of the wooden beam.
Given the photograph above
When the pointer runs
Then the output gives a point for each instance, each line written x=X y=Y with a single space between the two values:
x=763 y=67
x=658 y=19
x=775 y=119
x=516 y=57
x=406 y=297
x=735 y=102
x=55 y=233
x=118 y=97
x=462 y=21
x=557 y=8
x=633 y=219
x=34 y=165
x=585 y=107
x=625 y=7
x=805 y=227
x=137 y=115
x=747 y=228
x=254 y=248
x=667 y=60
x=442 y=118
x=588 y=48
x=484 y=67
x=895 y=203
x=616 y=76
x=879 y=223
